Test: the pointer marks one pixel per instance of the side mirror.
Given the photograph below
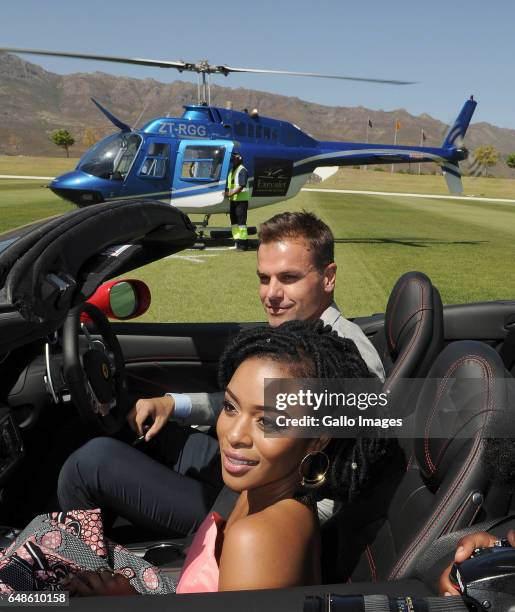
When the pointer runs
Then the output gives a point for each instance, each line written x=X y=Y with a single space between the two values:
x=122 y=299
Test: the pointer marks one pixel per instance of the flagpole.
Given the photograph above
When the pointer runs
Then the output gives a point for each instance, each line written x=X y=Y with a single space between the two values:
x=368 y=125
x=394 y=140
x=421 y=144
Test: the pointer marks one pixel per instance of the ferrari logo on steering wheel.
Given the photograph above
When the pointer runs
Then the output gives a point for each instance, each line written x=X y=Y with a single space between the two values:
x=105 y=371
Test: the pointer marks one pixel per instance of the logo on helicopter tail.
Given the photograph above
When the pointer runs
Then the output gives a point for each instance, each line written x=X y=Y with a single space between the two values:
x=271 y=177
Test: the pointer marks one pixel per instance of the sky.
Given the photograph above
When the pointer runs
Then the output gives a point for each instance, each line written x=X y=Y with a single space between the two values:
x=451 y=48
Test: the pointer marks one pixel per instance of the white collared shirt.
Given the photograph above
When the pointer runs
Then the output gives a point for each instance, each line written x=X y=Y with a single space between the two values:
x=347 y=329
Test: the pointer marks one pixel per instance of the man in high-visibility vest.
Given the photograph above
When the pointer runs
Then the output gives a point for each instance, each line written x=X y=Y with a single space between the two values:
x=238 y=193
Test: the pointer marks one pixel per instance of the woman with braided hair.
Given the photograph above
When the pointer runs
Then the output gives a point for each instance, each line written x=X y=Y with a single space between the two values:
x=310 y=350
x=272 y=531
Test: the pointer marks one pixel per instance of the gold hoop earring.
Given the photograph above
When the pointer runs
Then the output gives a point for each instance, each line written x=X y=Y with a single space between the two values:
x=313 y=482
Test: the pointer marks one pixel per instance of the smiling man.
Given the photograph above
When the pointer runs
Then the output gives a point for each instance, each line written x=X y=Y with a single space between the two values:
x=297 y=277
x=171 y=487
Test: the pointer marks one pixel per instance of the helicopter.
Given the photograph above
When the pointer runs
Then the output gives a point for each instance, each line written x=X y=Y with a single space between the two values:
x=185 y=160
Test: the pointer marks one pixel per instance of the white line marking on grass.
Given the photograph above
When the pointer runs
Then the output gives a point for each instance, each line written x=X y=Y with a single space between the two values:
x=192 y=258
x=27 y=178
x=229 y=248
x=413 y=195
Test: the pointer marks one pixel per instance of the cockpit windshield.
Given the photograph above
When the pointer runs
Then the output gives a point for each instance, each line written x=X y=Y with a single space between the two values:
x=112 y=157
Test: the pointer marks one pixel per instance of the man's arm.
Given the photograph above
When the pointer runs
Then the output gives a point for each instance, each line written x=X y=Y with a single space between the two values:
x=230 y=193
x=205 y=409
x=348 y=329
x=187 y=409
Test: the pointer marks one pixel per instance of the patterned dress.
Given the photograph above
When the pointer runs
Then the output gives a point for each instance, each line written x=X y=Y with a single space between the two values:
x=61 y=544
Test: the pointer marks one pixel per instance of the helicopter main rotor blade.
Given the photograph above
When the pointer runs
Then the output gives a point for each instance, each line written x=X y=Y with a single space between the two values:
x=200 y=67
x=179 y=65
x=227 y=69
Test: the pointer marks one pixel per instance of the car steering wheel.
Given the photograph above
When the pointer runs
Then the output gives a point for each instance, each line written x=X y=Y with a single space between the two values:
x=96 y=378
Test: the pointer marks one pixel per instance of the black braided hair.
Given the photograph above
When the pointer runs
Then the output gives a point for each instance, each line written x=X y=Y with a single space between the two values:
x=312 y=350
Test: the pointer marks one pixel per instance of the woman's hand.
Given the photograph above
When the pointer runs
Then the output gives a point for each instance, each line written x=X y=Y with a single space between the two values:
x=100 y=583
x=466 y=547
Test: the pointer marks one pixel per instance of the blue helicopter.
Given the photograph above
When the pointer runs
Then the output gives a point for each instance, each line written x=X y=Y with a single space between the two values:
x=185 y=161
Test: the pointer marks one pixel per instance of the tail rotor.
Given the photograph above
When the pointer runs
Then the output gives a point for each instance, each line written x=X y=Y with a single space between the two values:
x=454 y=143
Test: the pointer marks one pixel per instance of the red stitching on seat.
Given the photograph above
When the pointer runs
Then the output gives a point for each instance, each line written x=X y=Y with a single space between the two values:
x=400 y=361
x=442 y=386
x=419 y=308
x=390 y=335
x=373 y=569
x=425 y=532
x=451 y=523
x=472 y=458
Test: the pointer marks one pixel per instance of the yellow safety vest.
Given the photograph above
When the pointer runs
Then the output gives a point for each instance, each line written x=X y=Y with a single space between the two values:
x=232 y=183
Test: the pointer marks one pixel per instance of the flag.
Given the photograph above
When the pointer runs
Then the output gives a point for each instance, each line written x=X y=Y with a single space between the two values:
x=370 y=123
x=397 y=125
x=424 y=135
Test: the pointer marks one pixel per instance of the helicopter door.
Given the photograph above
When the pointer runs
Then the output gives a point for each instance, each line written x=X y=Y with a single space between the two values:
x=201 y=172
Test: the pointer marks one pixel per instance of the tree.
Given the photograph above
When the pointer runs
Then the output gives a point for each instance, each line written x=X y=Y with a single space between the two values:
x=487 y=156
x=90 y=137
x=63 y=138
x=510 y=160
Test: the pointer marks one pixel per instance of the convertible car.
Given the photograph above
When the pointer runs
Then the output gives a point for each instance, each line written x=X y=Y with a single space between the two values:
x=67 y=374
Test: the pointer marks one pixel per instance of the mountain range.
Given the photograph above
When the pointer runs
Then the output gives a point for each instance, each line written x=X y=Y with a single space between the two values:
x=34 y=103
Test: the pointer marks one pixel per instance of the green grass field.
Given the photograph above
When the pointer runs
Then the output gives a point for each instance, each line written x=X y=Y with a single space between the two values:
x=36 y=166
x=371 y=180
x=466 y=247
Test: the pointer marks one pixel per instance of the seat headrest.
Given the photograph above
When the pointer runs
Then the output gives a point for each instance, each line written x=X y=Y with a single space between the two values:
x=460 y=401
x=409 y=309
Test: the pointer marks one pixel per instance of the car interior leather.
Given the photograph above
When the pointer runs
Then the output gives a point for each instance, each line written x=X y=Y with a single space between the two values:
x=413 y=335
x=445 y=486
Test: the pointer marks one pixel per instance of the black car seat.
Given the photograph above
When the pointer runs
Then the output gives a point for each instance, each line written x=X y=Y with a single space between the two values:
x=445 y=486
x=413 y=335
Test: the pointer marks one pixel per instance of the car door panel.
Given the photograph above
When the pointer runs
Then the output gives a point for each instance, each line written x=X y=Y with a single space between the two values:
x=183 y=356
x=175 y=357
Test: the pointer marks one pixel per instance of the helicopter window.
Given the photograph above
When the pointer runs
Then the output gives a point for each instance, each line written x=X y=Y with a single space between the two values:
x=158 y=148
x=274 y=134
x=112 y=157
x=250 y=130
x=202 y=163
x=240 y=128
x=266 y=133
x=156 y=161
x=259 y=131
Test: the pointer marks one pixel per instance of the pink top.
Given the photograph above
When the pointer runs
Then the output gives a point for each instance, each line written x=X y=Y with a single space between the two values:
x=200 y=571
